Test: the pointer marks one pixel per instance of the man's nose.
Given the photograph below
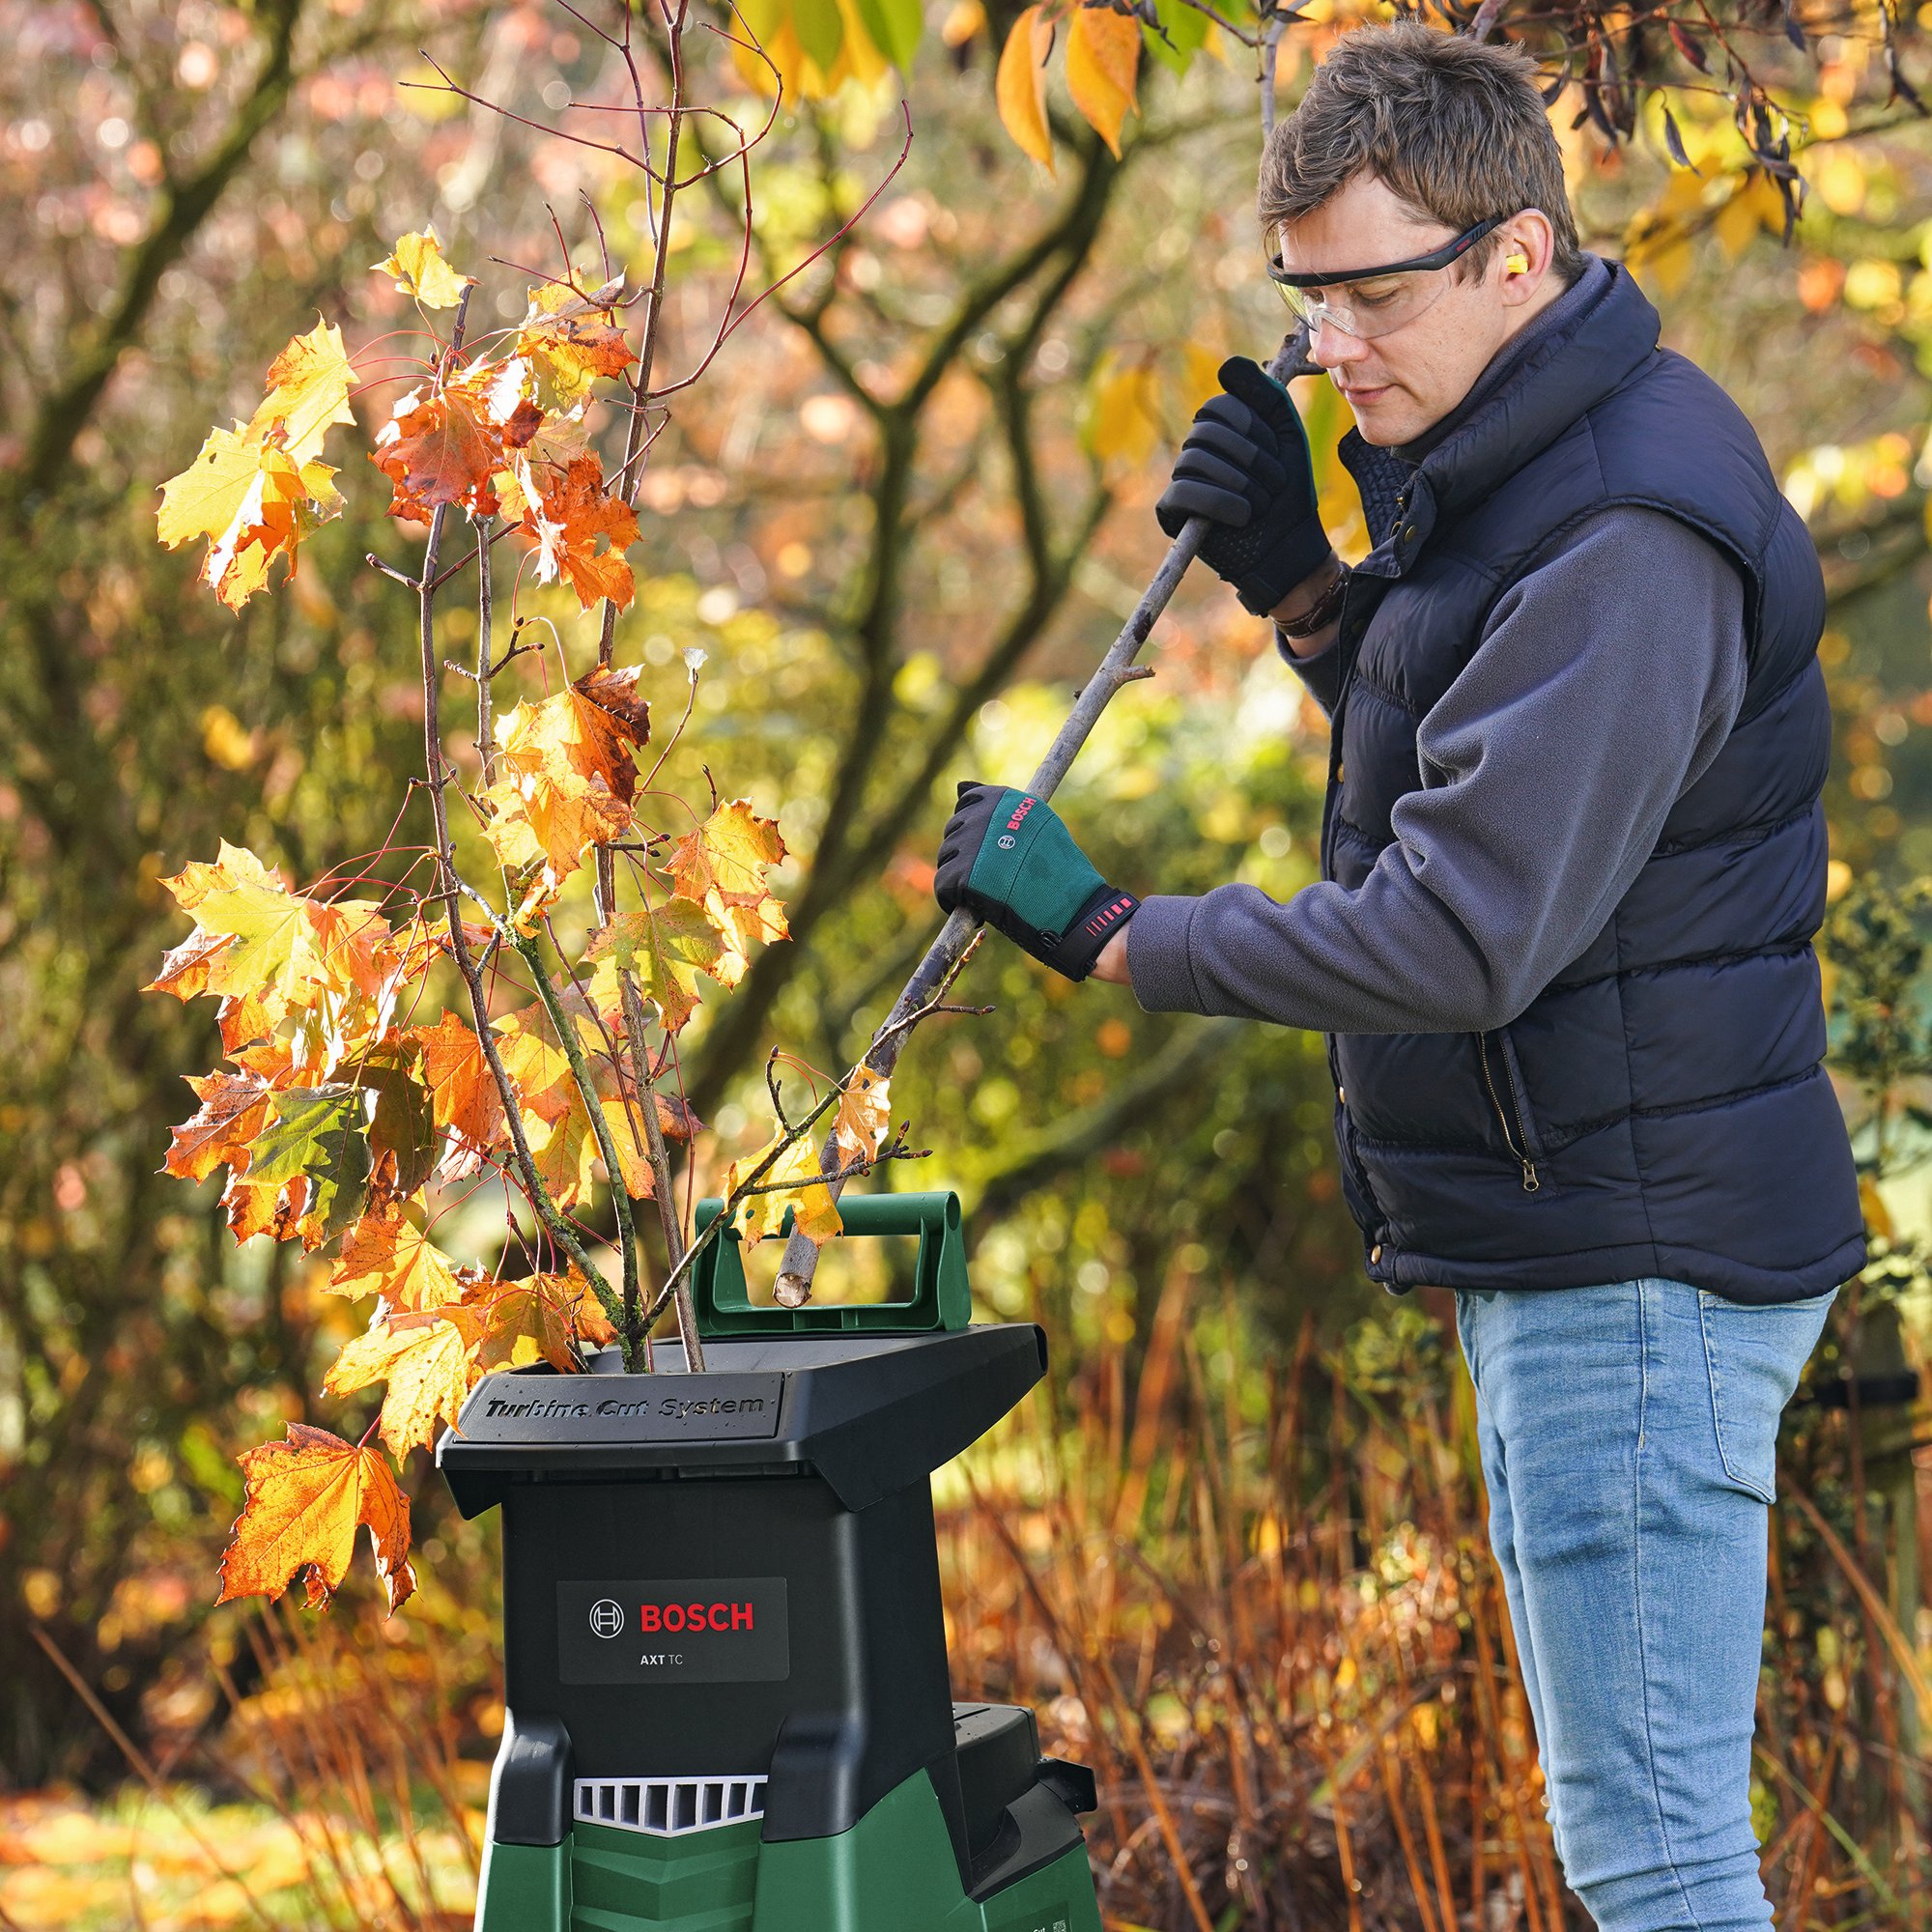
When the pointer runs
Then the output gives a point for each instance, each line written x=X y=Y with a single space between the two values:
x=1332 y=348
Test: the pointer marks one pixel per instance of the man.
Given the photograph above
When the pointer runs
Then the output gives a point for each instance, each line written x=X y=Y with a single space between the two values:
x=1573 y=862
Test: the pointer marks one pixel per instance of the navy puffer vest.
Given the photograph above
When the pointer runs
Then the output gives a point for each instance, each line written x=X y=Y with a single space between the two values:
x=1659 y=1108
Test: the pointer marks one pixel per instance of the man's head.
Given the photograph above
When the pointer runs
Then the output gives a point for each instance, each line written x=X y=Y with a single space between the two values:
x=1406 y=139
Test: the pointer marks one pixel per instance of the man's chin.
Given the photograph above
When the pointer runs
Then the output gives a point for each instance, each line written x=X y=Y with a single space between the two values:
x=1384 y=417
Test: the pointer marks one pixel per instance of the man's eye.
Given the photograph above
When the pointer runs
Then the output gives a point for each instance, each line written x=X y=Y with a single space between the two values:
x=1377 y=297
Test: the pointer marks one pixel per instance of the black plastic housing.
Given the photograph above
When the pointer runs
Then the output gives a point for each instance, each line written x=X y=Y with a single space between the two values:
x=780 y=1499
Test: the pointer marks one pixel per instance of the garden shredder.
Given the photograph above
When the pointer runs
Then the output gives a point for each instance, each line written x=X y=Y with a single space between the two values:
x=727 y=1704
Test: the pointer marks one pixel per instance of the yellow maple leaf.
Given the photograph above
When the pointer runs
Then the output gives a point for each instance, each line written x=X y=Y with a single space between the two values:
x=387 y=1254
x=541 y=824
x=567 y=341
x=253 y=501
x=864 y=1115
x=1020 y=87
x=307 y=1498
x=721 y=867
x=308 y=390
x=417 y=263
x=1122 y=418
x=664 y=948
x=428 y=1361
x=1103 y=58
x=815 y=1214
x=593 y=729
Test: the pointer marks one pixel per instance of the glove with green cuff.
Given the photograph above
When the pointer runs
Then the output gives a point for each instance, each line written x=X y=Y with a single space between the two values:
x=1008 y=858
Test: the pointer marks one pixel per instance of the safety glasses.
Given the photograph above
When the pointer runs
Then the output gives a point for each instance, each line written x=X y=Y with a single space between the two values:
x=1368 y=302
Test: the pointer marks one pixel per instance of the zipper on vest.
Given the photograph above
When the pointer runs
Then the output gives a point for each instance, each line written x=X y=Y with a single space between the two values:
x=1530 y=1180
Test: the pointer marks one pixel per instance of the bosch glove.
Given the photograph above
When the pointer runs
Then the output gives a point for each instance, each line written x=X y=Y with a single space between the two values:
x=1006 y=857
x=1245 y=468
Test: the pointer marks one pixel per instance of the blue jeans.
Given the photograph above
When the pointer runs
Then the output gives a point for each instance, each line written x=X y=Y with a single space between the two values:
x=1627 y=1437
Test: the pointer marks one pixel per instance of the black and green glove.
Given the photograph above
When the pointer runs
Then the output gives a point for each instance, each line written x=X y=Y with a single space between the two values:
x=1245 y=468
x=1006 y=857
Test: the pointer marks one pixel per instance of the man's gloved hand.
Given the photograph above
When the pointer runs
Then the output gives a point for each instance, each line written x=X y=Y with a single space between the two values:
x=1006 y=857
x=1245 y=468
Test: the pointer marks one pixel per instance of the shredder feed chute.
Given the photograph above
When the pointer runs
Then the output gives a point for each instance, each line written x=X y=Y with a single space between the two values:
x=727 y=1700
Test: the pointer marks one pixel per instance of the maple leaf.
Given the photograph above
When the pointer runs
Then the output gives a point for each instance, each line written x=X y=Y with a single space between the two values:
x=441 y=448
x=536 y=1066
x=864 y=1115
x=815 y=1214
x=317 y=1136
x=541 y=824
x=308 y=391
x=427 y=1359
x=402 y=1126
x=279 y=948
x=253 y=502
x=417 y=263
x=387 y=1254
x=591 y=729
x=567 y=341
x=234 y=1106
x=545 y=1315
x=563 y=1154
x=464 y=1099
x=307 y=1498
x=565 y=511
x=721 y=867
x=664 y=948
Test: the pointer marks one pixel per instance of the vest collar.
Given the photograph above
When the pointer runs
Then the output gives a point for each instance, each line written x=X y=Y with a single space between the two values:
x=1571 y=368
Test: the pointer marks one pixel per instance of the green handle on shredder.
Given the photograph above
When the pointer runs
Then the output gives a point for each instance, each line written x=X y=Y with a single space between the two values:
x=941 y=1299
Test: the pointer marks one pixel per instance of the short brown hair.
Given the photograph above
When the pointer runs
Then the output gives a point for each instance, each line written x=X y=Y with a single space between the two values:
x=1454 y=127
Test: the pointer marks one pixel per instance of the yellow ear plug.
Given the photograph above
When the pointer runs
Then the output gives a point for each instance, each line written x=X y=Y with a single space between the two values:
x=1516 y=263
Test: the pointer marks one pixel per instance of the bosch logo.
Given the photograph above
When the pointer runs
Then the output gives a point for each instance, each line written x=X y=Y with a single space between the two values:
x=1007 y=842
x=695 y=1617
x=606 y=1618
x=1020 y=811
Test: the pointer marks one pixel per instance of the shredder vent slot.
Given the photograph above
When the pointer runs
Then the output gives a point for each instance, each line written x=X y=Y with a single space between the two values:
x=669 y=1807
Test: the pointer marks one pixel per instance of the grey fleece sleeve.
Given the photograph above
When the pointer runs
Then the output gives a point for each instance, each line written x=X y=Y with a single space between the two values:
x=1605 y=685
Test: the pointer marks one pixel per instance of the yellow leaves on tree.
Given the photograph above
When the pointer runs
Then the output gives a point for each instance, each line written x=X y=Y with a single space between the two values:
x=307 y=1498
x=664 y=948
x=427 y=1358
x=257 y=490
x=419 y=270
x=815 y=1214
x=1020 y=87
x=566 y=342
x=864 y=1115
x=1103 y=58
x=721 y=867
x=567 y=772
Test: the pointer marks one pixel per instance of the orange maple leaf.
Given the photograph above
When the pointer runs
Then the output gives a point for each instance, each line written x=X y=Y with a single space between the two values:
x=463 y=1091
x=565 y=512
x=864 y=1115
x=390 y=1255
x=544 y=1316
x=566 y=342
x=234 y=1109
x=446 y=447
x=591 y=729
x=721 y=867
x=307 y=1498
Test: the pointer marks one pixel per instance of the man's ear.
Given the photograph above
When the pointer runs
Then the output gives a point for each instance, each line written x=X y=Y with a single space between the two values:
x=1528 y=245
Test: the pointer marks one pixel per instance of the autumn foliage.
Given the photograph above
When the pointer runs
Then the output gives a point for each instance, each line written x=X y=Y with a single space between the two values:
x=399 y=1039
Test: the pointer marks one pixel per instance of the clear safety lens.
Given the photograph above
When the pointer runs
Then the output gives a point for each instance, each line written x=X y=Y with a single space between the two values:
x=1370 y=308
